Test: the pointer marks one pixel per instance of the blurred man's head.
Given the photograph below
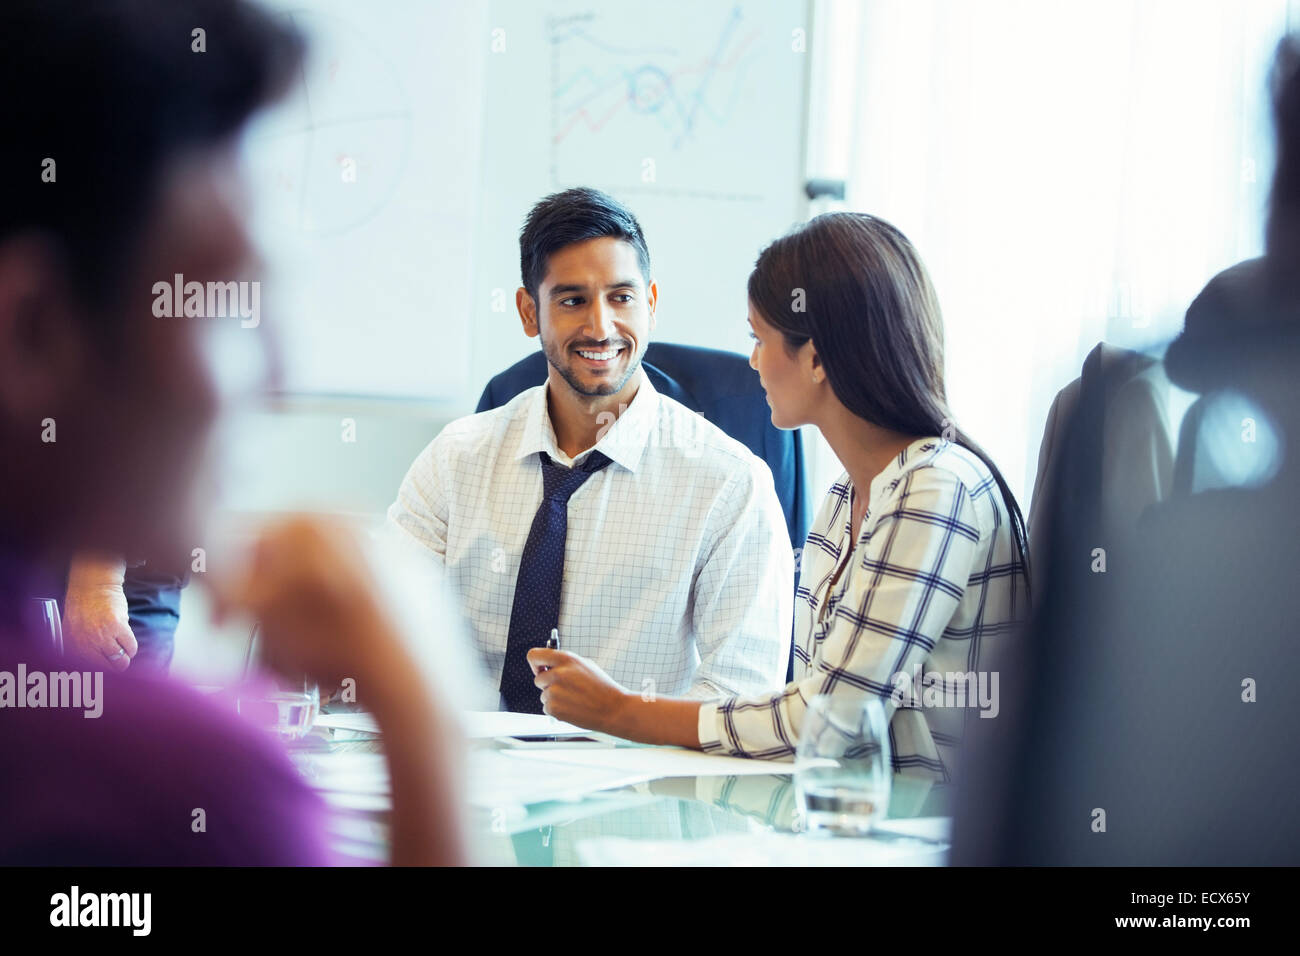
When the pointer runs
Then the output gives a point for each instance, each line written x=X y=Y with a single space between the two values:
x=1283 y=238
x=587 y=290
x=1243 y=329
x=119 y=172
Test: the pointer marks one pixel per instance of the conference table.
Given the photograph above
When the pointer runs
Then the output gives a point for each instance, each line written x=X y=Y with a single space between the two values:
x=619 y=803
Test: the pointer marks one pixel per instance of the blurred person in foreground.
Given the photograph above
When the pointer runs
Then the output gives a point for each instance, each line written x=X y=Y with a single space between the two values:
x=119 y=171
x=1151 y=719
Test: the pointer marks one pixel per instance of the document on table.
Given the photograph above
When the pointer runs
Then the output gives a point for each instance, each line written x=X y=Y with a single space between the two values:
x=349 y=781
x=357 y=721
x=763 y=849
x=654 y=763
x=498 y=779
x=521 y=777
x=480 y=724
x=477 y=724
x=359 y=781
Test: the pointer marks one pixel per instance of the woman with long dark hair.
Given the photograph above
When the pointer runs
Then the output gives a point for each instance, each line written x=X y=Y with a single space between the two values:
x=915 y=568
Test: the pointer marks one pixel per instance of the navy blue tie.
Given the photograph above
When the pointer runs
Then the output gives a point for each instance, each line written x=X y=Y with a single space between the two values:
x=536 y=608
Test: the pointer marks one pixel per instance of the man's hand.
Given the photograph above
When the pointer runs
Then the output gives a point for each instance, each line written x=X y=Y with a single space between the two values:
x=576 y=690
x=96 y=626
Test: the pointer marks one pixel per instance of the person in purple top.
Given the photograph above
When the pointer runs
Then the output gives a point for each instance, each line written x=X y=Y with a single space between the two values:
x=119 y=171
x=123 y=788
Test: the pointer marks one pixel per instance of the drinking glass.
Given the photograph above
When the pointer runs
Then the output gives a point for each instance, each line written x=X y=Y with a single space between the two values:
x=46 y=622
x=842 y=769
x=287 y=705
x=297 y=704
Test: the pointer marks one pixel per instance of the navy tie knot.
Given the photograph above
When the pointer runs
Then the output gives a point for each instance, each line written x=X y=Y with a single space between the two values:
x=559 y=483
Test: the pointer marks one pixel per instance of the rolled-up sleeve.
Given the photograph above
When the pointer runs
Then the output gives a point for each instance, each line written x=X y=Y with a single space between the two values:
x=421 y=509
x=743 y=594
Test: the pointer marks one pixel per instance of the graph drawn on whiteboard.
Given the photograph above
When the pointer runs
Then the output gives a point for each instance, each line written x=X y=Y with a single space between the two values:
x=660 y=102
x=346 y=121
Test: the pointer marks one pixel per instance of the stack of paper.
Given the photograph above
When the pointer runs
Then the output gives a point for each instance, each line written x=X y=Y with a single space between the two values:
x=354 y=722
x=477 y=724
x=653 y=763
x=480 y=724
x=359 y=781
x=499 y=779
x=349 y=781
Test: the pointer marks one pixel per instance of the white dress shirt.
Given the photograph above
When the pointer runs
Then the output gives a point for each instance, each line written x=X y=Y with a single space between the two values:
x=934 y=587
x=678 y=571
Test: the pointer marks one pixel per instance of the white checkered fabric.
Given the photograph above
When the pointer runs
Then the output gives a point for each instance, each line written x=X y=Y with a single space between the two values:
x=678 y=574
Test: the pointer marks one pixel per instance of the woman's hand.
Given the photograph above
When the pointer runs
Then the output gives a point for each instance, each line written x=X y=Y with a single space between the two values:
x=576 y=690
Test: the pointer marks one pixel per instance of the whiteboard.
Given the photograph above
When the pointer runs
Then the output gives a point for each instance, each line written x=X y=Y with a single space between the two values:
x=391 y=184
x=692 y=113
x=364 y=183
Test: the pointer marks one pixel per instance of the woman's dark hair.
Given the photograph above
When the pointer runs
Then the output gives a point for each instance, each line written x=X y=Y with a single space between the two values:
x=110 y=92
x=856 y=288
x=575 y=215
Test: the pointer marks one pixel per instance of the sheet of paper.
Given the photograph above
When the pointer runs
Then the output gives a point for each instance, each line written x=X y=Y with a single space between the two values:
x=359 y=721
x=478 y=724
x=345 y=772
x=760 y=849
x=935 y=829
x=359 y=802
x=498 y=779
x=359 y=781
x=656 y=762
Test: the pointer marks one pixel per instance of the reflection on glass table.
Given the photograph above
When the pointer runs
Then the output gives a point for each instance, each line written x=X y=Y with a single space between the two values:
x=738 y=810
x=674 y=809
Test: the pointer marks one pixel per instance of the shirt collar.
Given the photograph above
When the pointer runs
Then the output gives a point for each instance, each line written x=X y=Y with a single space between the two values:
x=909 y=457
x=623 y=441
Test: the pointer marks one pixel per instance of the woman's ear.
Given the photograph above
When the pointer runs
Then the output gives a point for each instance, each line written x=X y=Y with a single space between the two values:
x=813 y=363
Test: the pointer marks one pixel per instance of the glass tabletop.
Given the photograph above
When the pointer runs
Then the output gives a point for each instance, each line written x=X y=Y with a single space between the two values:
x=725 y=815
x=670 y=809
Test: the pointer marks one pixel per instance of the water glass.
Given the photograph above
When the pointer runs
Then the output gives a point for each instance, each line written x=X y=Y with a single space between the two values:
x=44 y=620
x=287 y=706
x=842 y=768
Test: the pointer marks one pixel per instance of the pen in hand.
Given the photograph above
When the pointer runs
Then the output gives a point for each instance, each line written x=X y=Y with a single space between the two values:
x=552 y=644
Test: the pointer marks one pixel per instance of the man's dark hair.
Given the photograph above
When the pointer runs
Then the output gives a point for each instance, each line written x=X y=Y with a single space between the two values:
x=112 y=91
x=575 y=215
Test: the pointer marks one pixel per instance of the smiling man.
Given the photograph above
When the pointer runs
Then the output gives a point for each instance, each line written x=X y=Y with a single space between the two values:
x=650 y=541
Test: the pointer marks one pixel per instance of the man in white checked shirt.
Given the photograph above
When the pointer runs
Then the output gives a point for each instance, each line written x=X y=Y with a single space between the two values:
x=669 y=560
